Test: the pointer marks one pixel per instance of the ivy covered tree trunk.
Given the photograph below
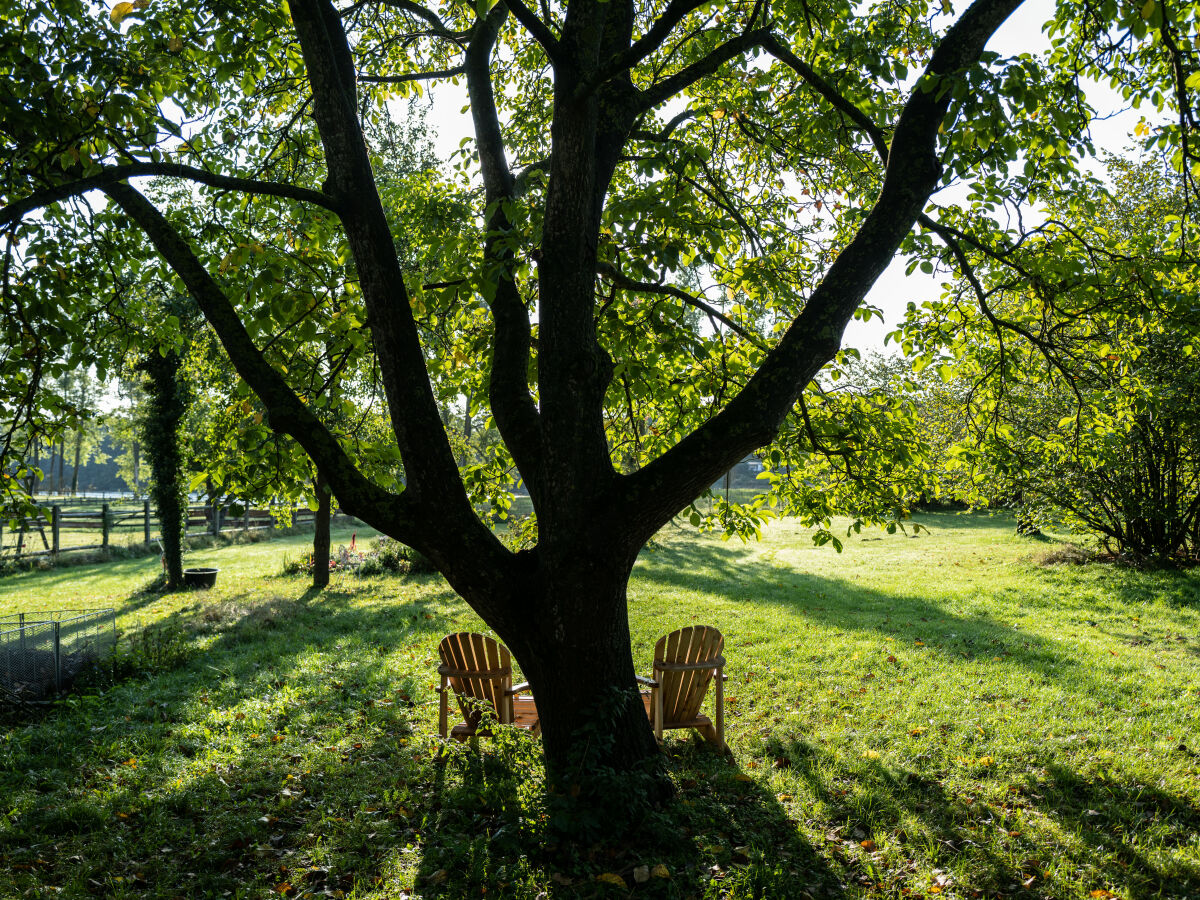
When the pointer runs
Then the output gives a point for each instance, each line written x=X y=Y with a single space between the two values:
x=166 y=403
x=321 y=531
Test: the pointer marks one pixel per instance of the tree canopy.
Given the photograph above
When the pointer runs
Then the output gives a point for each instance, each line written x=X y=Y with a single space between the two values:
x=667 y=215
x=1071 y=356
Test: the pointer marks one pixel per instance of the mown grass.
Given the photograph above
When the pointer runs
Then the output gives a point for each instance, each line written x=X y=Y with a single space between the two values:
x=915 y=717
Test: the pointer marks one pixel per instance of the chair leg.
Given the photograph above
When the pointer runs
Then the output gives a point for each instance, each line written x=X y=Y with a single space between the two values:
x=720 y=710
x=443 y=708
x=656 y=704
x=505 y=713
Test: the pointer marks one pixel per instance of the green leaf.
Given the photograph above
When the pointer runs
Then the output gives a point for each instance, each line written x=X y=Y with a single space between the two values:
x=119 y=12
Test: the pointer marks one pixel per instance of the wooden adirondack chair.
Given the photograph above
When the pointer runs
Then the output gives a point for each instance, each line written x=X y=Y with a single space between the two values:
x=685 y=661
x=478 y=671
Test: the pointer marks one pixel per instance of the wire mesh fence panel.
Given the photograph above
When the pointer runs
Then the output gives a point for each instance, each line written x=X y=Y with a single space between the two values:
x=43 y=652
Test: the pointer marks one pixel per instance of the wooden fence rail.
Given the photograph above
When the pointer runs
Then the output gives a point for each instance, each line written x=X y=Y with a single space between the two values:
x=48 y=533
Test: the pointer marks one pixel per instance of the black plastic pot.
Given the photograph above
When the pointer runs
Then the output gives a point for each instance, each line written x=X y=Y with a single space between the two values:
x=200 y=578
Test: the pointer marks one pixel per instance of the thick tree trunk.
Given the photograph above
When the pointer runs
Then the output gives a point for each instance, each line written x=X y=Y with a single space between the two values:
x=321 y=532
x=603 y=766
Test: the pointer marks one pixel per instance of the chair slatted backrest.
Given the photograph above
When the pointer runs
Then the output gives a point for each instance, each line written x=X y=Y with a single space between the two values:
x=480 y=673
x=683 y=691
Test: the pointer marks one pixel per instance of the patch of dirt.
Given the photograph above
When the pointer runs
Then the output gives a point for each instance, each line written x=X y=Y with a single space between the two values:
x=1070 y=555
x=239 y=611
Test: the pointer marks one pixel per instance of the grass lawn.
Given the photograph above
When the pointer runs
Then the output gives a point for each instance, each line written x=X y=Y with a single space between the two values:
x=914 y=717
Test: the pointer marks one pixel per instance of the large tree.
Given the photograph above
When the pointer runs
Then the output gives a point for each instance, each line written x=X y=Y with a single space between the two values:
x=680 y=205
x=1072 y=356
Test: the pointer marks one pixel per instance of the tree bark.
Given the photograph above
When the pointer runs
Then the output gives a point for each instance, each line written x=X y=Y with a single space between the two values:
x=78 y=454
x=574 y=649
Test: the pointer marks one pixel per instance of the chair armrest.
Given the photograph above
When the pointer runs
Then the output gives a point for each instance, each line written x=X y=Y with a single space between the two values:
x=649 y=682
x=474 y=673
x=517 y=688
x=717 y=663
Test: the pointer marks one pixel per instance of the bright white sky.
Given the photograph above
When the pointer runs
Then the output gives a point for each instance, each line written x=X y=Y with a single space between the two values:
x=1022 y=33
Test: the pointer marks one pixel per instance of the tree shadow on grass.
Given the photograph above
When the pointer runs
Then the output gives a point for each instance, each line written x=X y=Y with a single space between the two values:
x=879 y=811
x=724 y=835
x=743 y=841
x=1107 y=814
x=157 y=786
x=845 y=606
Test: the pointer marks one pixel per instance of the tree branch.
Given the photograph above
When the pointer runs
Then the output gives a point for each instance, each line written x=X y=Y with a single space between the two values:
x=515 y=412
x=753 y=417
x=287 y=414
x=430 y=467
x=537 y=29
x=689 y=75
x=668 y=290
x=17 y=209
x=429 y=16
x=412 y=76
x=651 y=40
x=773 y=45
x=661 y=137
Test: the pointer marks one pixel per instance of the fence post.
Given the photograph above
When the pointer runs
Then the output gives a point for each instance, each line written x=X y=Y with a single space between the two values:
x=246 y=517
x=104 y=525
x=21 y=619
x=57 y=657
x=216 y=518
x=146 y=520
x=55 y=525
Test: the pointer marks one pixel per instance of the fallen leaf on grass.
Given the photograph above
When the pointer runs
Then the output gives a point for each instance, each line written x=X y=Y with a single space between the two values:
x=867 y=845
x=611 y=878
x=660 y=871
